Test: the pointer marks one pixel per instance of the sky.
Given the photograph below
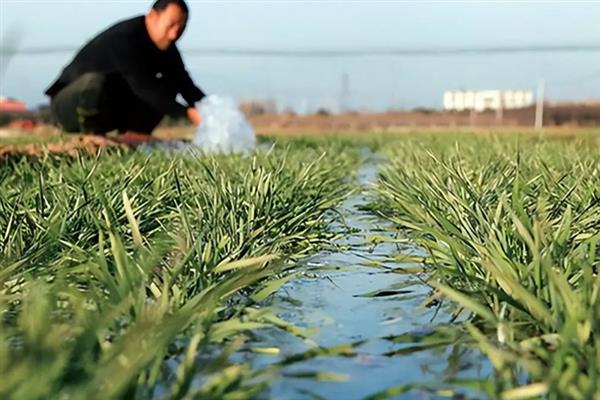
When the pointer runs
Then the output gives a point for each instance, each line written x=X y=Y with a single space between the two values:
x=305 y=84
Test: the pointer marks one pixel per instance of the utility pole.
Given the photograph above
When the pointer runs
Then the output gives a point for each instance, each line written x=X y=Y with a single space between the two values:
x=539 y=108
x=500 y=109
x=472 y=116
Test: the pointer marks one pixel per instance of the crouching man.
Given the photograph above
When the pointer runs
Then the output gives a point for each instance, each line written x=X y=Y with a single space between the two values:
x=127 y=78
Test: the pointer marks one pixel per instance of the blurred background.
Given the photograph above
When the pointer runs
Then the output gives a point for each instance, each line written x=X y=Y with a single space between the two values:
x=431 y=63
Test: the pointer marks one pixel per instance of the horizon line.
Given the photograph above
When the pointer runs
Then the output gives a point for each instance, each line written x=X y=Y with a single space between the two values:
x=337 y=52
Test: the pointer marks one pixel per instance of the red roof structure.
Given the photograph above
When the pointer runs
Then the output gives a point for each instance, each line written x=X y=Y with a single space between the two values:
x=12 y=105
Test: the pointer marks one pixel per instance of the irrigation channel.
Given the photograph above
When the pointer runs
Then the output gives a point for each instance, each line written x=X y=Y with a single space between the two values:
x=343 y=299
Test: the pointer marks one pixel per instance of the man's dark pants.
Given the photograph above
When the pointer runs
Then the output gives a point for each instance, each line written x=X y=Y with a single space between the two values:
x=98 y=103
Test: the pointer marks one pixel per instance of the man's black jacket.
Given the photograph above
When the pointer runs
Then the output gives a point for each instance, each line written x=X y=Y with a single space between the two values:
x=126 y=49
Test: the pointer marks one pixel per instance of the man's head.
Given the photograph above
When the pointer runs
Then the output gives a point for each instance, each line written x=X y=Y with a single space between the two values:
x=166 y=22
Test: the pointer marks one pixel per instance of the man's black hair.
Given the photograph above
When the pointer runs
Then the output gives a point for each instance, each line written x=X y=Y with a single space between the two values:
x=160 y=5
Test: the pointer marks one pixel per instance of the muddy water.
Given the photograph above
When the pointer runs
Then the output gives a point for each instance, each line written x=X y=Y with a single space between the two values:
x=328 y=302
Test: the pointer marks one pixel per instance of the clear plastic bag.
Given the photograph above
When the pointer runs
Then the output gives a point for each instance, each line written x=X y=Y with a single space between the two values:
x=224 y=129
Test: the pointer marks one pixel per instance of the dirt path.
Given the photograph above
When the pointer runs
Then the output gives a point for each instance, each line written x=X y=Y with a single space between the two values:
x=71 y=146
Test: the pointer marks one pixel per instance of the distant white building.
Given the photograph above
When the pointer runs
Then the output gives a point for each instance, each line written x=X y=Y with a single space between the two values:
x=459 y=100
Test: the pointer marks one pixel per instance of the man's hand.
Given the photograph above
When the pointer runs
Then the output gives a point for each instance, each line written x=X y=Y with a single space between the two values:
x=194 y=116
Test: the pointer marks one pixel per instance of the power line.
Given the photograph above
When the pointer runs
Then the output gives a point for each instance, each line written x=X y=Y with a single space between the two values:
x=336 y=52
